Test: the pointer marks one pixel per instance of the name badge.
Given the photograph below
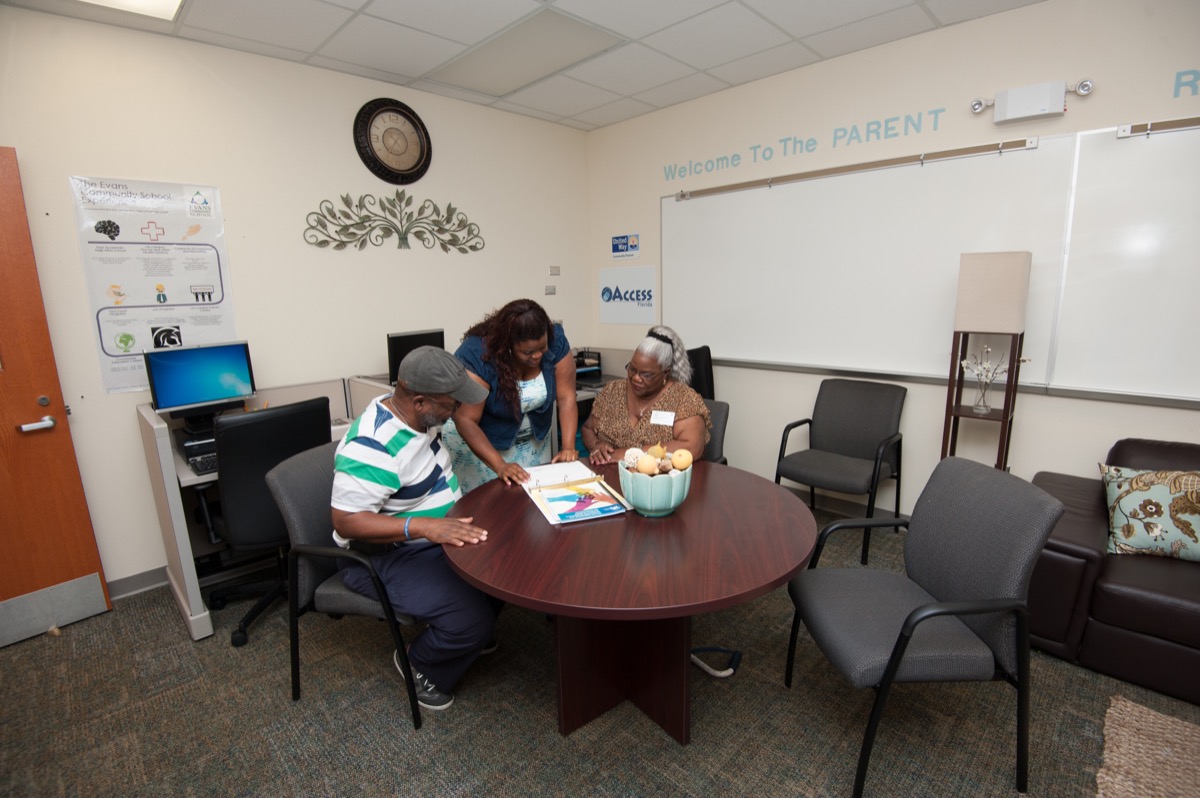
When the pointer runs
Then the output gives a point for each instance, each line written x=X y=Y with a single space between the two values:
x=663 y=417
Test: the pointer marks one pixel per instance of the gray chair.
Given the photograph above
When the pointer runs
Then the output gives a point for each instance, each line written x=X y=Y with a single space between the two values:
x=247 y=446
x=854 y=442
x=303 y=487
x=957 y=613
x=718 y=413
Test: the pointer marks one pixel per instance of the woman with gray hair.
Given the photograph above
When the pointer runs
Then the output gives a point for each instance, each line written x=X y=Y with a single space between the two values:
x=653 y=404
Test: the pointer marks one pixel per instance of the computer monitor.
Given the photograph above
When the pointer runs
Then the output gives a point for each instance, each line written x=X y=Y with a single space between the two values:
x=195 y=383
x=401 y=343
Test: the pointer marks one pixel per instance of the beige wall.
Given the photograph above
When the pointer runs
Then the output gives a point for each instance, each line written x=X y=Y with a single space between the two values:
x=1132 y=49
x=84 y=99
x=275 y=138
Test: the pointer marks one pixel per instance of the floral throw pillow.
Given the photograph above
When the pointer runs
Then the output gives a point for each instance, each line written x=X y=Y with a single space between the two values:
x=1153 y=512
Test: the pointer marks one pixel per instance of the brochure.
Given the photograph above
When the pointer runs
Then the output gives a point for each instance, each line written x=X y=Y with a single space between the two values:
x=567 y=492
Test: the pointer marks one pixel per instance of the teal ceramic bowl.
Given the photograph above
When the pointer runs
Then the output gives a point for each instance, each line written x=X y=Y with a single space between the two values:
x=655 y=495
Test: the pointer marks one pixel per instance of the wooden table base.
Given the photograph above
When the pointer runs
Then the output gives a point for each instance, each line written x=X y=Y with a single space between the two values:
x=602 y=662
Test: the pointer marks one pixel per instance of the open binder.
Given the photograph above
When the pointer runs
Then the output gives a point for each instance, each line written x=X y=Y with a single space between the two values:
x=569 y=492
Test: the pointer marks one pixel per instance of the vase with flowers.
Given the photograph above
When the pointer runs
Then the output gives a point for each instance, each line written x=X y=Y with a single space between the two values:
x=985 y=373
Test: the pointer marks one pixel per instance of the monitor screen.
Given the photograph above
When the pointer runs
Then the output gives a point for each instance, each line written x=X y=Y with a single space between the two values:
x=195 y=380
x=401 y=343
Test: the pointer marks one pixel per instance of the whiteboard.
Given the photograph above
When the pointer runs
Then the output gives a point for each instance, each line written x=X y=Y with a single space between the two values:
x=1131 y=298
x=859 y=271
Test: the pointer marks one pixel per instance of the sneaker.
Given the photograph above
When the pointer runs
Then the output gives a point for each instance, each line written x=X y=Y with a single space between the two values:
x=490 y=648
x=428 y=694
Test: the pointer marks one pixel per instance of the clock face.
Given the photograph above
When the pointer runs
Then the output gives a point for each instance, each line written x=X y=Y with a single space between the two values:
x=392 y=141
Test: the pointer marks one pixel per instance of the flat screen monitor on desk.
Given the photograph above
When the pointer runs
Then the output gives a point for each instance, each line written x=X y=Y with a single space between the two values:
x=401 y=343
x=197 y=382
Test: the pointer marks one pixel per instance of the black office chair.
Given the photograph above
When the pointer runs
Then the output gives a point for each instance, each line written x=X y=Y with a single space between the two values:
x=718 y=413
x=957 y=613
x=248 y=445
x=854 y=441
x=702 y=371
x=303 y=488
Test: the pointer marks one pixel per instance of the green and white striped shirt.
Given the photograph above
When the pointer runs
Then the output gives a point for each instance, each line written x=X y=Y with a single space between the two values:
x=383 y=465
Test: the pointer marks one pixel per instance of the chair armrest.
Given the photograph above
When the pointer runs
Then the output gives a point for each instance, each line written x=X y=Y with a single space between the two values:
x=333 y=552
x=853 y=523
x=940 y=608
x=884 y=445
x=787 y=431
x=337 y=552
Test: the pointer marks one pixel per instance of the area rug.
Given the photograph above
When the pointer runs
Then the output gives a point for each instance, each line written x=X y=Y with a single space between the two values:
x=1147 y=753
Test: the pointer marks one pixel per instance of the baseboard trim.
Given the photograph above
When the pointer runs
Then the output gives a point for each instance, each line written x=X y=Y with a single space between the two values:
x=138 y=583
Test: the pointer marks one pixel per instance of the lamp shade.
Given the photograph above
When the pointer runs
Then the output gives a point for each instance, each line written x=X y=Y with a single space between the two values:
x=992 y=291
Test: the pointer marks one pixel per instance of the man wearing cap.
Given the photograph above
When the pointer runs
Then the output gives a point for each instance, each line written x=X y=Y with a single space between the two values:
x=392 y=488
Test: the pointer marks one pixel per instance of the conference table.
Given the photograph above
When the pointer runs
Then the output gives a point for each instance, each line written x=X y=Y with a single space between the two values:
x=623 y=589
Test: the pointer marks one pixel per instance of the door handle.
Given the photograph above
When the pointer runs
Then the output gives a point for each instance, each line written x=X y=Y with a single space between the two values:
x=47 y=422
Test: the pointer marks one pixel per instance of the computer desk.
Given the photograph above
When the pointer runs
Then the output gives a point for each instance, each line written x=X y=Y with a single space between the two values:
x=173 y=484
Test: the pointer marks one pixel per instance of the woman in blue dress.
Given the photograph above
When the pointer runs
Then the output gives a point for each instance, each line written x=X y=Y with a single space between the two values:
x=525 y=361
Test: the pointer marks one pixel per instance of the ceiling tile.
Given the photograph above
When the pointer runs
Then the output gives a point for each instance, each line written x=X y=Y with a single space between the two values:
x=541 y=45
x=948 y=12
x=870 y=32
x=563 y=96
x=815 y=16
x=357 y=69
x=504 y=105
x=717 y=37
x=636 y=18
x=629 y=69
x=294 y=24
x=576 y=124
x=610 y=114
x=394 y=48
x=574 y=62
x=694 y=85
x=238 y=43
x=453 y=92
x=784 y=58
x=466 y=21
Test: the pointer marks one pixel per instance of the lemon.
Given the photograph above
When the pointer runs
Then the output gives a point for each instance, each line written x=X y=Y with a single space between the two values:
x=681 y=459
x=657 y=451
x=647 y=464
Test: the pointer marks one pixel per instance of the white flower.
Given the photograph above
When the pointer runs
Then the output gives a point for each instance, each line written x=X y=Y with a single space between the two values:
x=982 y=368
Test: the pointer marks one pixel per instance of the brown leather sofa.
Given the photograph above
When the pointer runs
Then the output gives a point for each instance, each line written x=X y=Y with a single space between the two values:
x=1135 y=617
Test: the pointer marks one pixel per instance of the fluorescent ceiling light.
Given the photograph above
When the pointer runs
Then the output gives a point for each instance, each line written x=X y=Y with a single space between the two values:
x=161 y=9
x=541 y=45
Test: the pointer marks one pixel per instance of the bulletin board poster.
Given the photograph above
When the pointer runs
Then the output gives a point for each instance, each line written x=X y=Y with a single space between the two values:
x=156 y=268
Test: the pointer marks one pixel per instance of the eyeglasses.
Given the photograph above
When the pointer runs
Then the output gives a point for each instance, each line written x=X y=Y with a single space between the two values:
x=646 y=376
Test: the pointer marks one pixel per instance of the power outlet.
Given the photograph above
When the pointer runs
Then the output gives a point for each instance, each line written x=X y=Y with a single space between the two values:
x=551 y=290
x=554 y=271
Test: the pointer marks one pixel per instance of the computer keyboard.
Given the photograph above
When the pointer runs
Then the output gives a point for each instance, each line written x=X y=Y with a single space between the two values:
x=203 y=463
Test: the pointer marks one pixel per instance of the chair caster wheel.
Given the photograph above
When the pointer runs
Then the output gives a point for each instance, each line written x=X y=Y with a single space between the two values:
x=238 y=638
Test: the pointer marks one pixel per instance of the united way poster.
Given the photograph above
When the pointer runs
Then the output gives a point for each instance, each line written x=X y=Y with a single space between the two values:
x=157 y=272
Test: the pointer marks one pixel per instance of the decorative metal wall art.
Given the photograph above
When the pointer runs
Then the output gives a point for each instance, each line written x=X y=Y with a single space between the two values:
x=374 y=220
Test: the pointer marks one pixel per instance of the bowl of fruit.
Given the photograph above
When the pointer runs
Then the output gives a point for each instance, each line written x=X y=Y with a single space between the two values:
x=654 y=481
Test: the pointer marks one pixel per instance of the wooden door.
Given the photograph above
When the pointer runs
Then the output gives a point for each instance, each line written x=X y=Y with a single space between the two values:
x=50 y=572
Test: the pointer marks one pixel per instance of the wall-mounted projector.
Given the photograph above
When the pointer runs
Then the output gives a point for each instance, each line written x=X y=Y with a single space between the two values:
x=1031 y=102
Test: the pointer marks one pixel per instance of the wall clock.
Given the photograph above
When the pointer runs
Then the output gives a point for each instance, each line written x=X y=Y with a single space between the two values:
x=392 y=141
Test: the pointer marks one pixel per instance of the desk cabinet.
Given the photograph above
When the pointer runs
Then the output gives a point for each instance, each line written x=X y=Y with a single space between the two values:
x=171 y=480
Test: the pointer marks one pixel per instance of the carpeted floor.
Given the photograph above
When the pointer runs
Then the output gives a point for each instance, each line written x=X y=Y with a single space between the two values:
x=125 y=704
